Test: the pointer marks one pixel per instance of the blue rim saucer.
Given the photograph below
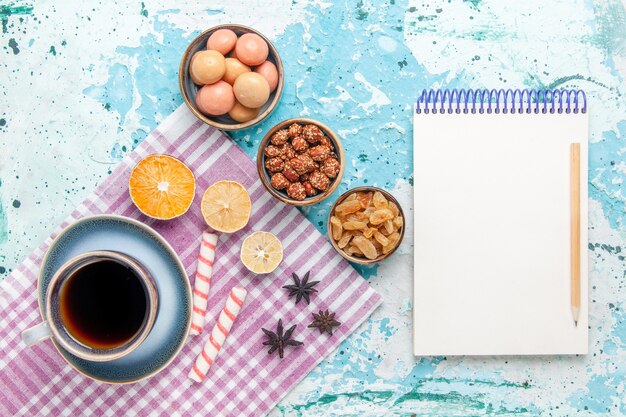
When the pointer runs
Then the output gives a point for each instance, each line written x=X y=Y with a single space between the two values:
x=170 y=330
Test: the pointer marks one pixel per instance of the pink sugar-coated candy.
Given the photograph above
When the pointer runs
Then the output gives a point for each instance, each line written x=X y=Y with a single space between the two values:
x=207 y=67
x=242 y=114
x=204 y=272
x=215 y=99
x=200 y=101
x=222 y=328
x=269 y=72
x=251 y=49
x=222 y=40
x=191 y=73
x=234 y=68
x=251 y=90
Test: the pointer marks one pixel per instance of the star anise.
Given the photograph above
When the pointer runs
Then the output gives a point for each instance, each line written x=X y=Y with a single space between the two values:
x=301 y=288
x=279 y=340
x=325 y=322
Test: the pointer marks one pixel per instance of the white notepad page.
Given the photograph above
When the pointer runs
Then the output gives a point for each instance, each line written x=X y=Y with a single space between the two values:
x=492 y=234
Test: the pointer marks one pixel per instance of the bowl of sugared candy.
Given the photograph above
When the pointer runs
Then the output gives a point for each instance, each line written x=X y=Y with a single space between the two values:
x=300 y=161
x=231 y=77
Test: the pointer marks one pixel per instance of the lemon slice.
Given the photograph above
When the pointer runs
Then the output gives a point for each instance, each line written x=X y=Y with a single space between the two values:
x=261 y=252
x=226 y=206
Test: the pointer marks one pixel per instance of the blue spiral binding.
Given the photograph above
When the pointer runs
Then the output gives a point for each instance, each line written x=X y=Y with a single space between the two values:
x=501 y=101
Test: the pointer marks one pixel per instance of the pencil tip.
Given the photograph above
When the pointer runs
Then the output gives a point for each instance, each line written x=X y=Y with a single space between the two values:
x=575 y=323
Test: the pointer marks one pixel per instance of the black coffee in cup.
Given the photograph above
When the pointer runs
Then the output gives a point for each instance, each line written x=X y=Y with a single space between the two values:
x=103 y=304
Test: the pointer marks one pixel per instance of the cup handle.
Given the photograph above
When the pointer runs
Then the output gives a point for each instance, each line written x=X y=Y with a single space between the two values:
x=36 y=334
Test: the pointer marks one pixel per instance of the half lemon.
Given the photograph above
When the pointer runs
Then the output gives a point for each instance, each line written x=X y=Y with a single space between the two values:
x=261 y=252
x=226 y=206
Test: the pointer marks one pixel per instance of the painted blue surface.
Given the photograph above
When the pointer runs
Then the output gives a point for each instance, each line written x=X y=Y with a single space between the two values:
x=604 y=155
x=356 y=66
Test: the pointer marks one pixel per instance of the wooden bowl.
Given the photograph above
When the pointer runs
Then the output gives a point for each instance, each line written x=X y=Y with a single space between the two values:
x=188 y=89
x=356 y=259
x=265 y=176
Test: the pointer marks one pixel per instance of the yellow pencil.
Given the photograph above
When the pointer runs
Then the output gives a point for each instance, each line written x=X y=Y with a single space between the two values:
x=575 y=229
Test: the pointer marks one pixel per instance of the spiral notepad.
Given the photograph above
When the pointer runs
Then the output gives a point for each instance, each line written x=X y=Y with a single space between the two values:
x=493 y=231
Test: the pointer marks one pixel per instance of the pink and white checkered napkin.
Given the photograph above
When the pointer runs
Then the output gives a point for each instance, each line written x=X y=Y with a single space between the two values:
x=245 y=380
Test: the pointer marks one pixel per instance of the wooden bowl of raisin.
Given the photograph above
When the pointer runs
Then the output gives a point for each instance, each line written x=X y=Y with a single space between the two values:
x=366 y=225
x=300 y=161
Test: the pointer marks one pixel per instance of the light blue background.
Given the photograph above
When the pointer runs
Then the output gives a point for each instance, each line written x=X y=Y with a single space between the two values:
x=84 y=82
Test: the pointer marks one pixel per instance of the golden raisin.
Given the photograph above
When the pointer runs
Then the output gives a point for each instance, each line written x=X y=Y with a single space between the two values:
x=380 y=201
x=345 y=239
x=354 y=225
x=365 y=246
x=370 y=232
x=380 y=216
x=348 y=207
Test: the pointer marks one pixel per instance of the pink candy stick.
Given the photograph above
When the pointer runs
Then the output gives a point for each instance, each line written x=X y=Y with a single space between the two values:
x=203 y=281
x=222 y=327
